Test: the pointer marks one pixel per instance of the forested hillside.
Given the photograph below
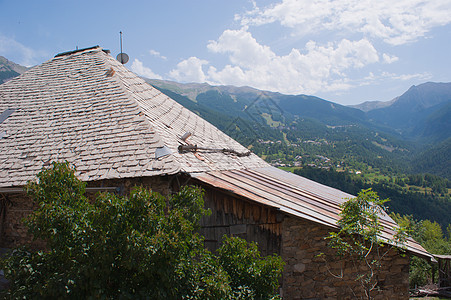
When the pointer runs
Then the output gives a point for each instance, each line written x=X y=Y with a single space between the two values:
x=422 y=196
x=337 y=145
x=422 y=113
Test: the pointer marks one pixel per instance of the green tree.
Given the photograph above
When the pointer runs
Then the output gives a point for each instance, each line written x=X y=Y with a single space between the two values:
x=358 y=239
x=142 y=246
x=248 y=272
x=430 y=236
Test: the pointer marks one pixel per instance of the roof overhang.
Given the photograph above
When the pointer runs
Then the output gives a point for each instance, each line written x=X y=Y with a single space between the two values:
x=295 y=196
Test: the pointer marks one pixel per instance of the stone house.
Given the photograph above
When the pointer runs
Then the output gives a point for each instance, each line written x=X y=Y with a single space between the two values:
x=118 y=131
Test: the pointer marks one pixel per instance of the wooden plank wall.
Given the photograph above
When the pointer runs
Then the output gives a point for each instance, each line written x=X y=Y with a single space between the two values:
x=235 y=216
x=444 y=272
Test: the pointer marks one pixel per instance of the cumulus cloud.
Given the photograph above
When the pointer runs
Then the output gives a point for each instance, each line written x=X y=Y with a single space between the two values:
x=353 y=27
x=157 y=54
x=395 y=22
x=389 y=58
x=143 y=71
x=418 y=76
x=189 y=70
x=317 y=67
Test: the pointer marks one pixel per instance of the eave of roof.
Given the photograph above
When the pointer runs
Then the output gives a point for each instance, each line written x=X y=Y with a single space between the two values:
x=296 y=196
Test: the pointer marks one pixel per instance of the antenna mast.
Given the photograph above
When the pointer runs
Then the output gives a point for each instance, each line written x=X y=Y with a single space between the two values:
x=122 y=57
x=120 y=32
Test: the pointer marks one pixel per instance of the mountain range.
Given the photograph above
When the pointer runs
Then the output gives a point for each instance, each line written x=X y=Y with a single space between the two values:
x=417 y=123
x=421 y=114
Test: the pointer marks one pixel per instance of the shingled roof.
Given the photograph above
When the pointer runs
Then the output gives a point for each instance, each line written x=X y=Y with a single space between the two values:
x=85 y=107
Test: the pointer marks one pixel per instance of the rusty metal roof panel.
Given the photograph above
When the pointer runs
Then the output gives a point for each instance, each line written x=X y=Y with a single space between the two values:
x=237 y=183
x=294 y=195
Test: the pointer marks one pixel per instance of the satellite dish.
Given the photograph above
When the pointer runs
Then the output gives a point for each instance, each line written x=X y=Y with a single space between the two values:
x=122 y=58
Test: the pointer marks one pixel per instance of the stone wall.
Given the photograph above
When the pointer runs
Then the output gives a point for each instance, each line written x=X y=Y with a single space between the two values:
x=307 y=276
x=159 y=184
x=18 y=206
x=13 y=232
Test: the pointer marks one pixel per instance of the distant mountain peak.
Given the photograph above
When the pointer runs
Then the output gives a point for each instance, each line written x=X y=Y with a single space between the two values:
x=9 y=69
x=370 y=105
x=422 y=112
x=425 y=95
x=418 y=97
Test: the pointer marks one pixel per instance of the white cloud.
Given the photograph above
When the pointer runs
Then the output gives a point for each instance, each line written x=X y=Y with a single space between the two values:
x=315 y=68
x=418 y=76
x=19 y=53
x=189 y=70
x=157 y=54
x=353 y=27
x=384 y=76
x=242 y=47
x=389 y=59
x=395 y=22
x=143 y=71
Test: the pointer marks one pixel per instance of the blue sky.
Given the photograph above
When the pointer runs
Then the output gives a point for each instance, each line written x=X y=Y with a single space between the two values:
x=345 y=51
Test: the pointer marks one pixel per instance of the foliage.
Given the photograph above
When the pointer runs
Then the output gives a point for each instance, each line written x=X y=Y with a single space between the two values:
x=247 y=270
x=435 y=160
x=430 y=236
x=358 y=238
x=140 y=246
x=418 y=195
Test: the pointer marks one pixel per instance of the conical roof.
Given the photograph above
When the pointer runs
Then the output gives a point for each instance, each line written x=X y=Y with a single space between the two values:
x=87 y=108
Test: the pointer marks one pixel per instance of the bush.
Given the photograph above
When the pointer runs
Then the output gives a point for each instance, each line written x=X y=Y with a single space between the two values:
x=140 y=246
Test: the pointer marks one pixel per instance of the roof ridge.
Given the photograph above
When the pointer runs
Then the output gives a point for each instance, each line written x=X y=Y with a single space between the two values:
x=81 y=50
x=116 y=66
x=164 y=114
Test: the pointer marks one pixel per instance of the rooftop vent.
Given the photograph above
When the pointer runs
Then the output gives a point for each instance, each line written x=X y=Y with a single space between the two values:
x=186 y=136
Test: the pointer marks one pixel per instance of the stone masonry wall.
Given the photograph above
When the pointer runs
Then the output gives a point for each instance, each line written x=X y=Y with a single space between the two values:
x=14 y=233
x=307 y=276
x=159 y=184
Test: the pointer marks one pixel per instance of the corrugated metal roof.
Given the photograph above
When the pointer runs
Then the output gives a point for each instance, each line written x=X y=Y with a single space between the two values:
x=442 y=256
x=294 y=195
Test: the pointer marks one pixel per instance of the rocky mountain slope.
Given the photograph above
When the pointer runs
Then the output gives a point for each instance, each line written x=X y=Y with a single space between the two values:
x=9 y=69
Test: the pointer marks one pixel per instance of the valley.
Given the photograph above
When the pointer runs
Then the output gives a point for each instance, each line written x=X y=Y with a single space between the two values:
x=340 y=146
